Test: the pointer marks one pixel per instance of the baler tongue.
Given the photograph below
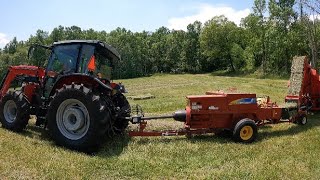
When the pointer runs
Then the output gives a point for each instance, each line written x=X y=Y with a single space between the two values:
x=296 y=77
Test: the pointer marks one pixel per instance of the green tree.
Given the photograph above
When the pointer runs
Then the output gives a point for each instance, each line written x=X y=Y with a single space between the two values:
x=73 y=32
x=283 y=16
x=57 y=34
x=193 y=54
x=176 y=52
x=218 y=38
x=11 y=47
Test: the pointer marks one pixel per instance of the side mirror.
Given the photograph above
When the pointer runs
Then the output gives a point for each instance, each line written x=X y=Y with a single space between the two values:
x=36 y=53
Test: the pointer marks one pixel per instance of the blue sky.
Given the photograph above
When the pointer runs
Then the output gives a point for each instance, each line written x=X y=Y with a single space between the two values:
x=22 y=18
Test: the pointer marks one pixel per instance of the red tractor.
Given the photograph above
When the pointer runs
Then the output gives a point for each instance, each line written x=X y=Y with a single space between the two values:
x=72 y=96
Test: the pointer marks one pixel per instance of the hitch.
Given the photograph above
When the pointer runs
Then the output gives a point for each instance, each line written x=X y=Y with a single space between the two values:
x=180 y=115
x=139 y=116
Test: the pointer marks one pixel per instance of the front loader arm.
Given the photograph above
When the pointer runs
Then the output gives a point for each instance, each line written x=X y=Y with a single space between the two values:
x=22 y=70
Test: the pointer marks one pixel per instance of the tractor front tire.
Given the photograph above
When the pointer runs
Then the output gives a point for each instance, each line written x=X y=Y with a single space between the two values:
x=78 y=119
x=245 y=131
x=14 y=111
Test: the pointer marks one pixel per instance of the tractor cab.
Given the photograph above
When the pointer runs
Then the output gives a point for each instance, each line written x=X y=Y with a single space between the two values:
x=80 y=58
x=89 y=57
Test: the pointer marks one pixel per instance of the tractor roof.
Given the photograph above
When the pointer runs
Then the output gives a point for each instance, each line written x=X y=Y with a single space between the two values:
x=93 y=42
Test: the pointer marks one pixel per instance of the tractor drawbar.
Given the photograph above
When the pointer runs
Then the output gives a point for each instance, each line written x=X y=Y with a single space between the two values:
x=178 y=116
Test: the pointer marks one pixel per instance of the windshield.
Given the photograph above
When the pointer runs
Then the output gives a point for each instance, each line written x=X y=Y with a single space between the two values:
x=64 y=59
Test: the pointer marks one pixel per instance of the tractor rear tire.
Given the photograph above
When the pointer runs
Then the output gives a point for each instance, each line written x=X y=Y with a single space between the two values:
x=121 y=102
x=14 y=111
x=78 y=119
x=245 y=131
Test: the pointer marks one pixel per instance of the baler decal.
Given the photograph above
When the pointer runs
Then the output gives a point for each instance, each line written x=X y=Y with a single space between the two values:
x=244 y=101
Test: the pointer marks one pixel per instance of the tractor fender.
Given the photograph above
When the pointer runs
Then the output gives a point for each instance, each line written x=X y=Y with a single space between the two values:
x=86 y=80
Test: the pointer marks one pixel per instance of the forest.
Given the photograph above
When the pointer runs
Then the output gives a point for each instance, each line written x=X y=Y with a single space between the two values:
x=265 y=43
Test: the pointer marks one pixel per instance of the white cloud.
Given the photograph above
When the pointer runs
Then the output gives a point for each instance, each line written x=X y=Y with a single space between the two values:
x=3 y=40
x=314 y=17
x=206 y=12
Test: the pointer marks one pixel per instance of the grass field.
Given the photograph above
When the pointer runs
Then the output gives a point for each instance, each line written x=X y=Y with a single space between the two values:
x=283 y=151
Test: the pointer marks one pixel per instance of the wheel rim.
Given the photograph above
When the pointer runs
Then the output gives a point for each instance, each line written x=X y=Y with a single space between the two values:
x=10 y=111
x=73 y=119
x=246 y=132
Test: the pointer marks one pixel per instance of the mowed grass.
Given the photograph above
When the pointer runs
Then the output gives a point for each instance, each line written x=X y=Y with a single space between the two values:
x=282 y=151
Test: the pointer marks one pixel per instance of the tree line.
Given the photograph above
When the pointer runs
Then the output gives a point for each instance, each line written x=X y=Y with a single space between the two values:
x=264 y=42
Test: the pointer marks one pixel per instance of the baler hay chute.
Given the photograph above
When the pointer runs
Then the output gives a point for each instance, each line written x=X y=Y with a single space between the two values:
x=304 y=87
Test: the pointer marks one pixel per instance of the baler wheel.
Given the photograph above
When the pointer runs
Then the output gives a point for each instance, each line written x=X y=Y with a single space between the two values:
x=78 y=119
x=302 y=120
x=245 y=131
x=14 y=111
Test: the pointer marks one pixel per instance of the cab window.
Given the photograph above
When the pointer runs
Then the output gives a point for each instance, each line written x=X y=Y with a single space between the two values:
x=64 y=59
x=102 y=66
x=86 y=54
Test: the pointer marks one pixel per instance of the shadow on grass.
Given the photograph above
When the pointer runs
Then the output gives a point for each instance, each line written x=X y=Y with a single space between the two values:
x=113 y=146
x=194 y=139
x=36 y=132
x=117 y=144
x=313 y=122
x=264 y=132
